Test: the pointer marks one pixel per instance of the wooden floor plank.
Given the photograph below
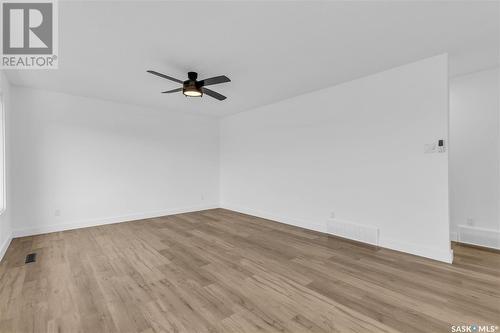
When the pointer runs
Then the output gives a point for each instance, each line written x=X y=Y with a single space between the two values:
x=222 y=271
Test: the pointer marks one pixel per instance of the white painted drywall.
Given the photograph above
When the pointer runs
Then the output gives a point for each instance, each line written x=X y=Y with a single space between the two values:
x=356 y=149
x=474 y=150
x=78 y=161
x=5 y=217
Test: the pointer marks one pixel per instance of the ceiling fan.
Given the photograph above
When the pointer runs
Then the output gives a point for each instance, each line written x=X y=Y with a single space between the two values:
x=193 y=88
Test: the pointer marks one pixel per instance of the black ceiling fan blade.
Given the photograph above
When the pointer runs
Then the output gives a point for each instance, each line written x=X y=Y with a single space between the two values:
x=214 y=80
x=171 y=91
x=165 y=76
x=214 y=94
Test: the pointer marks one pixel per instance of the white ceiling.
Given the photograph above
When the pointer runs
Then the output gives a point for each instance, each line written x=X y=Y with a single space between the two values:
x=270 y=50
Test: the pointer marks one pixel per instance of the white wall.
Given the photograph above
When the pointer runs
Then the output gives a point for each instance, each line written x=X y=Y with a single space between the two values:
x=5 y=217
x=78 y=161
x=356 y=149
x=474 y=151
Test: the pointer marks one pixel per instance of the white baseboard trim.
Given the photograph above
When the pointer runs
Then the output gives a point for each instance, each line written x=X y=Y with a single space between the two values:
x=479 y=236
x=419 y=250
x=415 y=249
x=103 y=221
x=4 y=246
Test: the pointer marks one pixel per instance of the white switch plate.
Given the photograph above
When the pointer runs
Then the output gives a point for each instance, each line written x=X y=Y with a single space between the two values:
x=430 y=148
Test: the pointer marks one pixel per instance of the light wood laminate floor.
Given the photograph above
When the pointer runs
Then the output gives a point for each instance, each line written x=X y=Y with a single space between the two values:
x=221 y=271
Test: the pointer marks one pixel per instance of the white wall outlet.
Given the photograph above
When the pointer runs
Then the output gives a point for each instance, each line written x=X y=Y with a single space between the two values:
x=471 y=221
x=57 y=212
x=332 y=215
x=202 y=197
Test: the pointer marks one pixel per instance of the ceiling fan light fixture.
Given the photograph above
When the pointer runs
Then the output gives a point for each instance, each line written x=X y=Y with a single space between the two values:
x=191 y=89
x=192 y=92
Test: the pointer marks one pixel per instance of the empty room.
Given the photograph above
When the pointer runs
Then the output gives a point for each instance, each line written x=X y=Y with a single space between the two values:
x=249 y=166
